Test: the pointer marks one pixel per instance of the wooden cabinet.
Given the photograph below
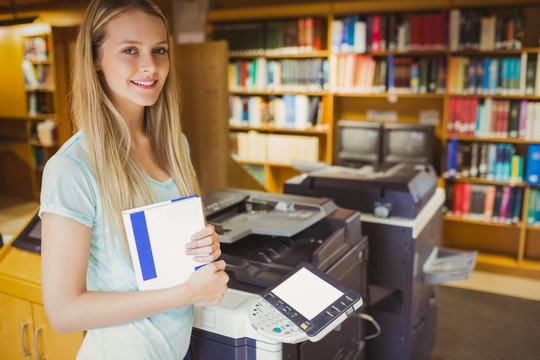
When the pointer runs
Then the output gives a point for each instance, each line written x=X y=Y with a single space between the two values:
x=36 y=100
x=509 y=248
x=25 y=332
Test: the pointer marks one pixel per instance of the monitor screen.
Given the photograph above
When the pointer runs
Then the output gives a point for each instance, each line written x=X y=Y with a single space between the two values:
x=358 y=142
x=408 y=143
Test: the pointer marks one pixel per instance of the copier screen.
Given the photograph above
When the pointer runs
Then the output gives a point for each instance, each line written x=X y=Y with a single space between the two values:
x=307 y=293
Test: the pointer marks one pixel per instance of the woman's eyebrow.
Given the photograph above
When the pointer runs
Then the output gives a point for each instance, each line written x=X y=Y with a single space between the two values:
x=137 y=42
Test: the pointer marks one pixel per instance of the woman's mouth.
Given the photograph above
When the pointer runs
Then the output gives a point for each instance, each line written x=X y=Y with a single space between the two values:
x=145 y=84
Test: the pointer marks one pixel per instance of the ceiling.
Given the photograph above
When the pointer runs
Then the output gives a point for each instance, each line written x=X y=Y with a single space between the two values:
x=30 y=6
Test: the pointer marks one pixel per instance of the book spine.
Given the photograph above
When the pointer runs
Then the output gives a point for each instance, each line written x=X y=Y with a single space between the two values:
x=488 y=205
x=532 y=206
x=467 y=198
x=458 y=200
x=505 y=201
x=532 y=174
x=516 y=215
x=497 y=204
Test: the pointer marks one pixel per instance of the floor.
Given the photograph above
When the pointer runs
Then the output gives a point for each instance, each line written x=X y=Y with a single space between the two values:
x=14 y=213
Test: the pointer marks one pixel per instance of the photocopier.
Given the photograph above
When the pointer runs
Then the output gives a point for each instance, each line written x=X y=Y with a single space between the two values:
x=263 y=237
x=401 y=214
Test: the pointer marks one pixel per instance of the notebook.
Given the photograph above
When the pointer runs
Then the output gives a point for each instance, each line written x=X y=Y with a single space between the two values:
x=157 y=235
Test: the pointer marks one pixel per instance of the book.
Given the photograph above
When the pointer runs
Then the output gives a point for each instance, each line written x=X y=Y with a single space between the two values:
x=157 y=235
x=451 y=154
x=516 y=214
x=497 y=204
x=531 y=206
x=449 y=198
x=489 y=203
x=513 y=125
x=532 y=172
x=505 y=202
x=509 y=216
x=457 y=206
x=537 y=216
x=467 y=198
x=516 y=176
x=478 y=199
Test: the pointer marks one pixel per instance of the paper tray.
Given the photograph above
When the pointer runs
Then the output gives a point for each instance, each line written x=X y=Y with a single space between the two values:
x=444 y=265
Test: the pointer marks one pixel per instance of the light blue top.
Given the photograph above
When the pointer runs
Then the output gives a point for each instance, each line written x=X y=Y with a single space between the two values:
x=70 y=189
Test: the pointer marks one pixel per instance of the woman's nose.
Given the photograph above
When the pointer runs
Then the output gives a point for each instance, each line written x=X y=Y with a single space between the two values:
x=148 y=63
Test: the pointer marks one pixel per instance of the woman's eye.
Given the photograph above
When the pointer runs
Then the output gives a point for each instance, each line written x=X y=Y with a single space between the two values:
x=130 y=51
x=160 y=51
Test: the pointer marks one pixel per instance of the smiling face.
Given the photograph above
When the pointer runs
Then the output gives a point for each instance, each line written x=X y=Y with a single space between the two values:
x=133 y=60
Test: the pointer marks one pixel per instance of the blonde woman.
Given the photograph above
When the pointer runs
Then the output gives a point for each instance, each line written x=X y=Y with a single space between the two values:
x=129 y=151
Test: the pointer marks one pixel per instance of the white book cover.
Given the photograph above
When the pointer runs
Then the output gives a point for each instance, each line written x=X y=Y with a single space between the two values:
x=537 y=80
x=157 y=235
x=360 y=37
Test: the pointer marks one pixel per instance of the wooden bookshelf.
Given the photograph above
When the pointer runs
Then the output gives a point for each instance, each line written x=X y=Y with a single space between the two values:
x=512 y=249
x=37 y=94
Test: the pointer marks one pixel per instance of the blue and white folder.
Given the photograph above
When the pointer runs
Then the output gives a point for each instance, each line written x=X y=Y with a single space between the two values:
x=157 y=235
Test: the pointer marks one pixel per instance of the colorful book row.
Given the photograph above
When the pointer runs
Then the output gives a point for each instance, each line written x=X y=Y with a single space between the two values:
x=35 y=48
x=253 y=146
x=487 y=203
x=389 y=32
x=357 y=73
x=494 y=118
x=494 y=162
x=275 y=37
x=289 y=111
x=518 y=75
x=261 y=74
x=473 y=29
x=39 y=102
x=37 y=76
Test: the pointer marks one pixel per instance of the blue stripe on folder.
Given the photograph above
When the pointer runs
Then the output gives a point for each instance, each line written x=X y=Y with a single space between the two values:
x=142 y=242
x=185 y=197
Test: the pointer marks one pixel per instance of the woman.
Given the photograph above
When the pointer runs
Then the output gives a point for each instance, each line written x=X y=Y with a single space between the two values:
x=129 y=151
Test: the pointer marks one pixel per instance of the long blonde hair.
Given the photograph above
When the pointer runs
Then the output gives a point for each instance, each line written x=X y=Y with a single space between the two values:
x=122 y=182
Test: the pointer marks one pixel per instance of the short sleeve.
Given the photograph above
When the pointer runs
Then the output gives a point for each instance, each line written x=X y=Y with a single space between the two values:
x=68 y=189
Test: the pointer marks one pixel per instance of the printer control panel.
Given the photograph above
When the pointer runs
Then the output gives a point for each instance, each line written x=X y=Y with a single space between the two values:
x=272 y=323
x=304 y=305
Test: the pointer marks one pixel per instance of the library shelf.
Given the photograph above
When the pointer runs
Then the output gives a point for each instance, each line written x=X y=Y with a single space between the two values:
x=313 y=131
x=385 y=95
x=270 y=93
x=493 y=139
x=502 y=248
x=293 y=55
x=39 y=98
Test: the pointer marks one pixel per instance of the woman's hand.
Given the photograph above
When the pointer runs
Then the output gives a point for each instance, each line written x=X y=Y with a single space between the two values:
x=207 y=285
x=204 y=245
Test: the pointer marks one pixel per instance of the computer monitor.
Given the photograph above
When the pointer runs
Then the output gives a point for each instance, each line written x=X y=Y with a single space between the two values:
x=408 y=143
x=358 y=142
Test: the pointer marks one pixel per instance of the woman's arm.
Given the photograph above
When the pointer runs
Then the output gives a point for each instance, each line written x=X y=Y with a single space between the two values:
x=70 y=307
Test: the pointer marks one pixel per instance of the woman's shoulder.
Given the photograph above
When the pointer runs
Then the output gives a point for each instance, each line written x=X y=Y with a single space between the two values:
x=72 y=157
x=74 y=150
